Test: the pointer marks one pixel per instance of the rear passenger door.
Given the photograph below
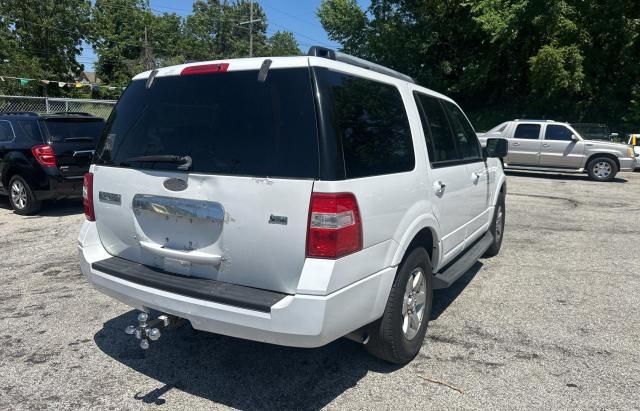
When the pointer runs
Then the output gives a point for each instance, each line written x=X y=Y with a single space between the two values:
x=524 y=144
x=450 y=180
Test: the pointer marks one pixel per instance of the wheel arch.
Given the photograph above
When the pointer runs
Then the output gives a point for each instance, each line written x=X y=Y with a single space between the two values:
x=606 y=155
x=423 y=232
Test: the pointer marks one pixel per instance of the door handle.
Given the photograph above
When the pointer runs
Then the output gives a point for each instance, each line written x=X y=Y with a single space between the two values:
x=438 y=188
x=475 y=177
x=516 y=144
x=546 y=145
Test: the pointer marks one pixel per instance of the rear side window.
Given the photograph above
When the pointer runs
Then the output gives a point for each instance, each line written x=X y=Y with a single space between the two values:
x=527 y=131
x=28 y=130
x=6 y=132
x=465 y=136
x=370 y=120
x=555 y=132
x=228 y=123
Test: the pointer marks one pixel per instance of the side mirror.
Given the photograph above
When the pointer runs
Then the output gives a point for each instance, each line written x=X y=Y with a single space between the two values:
x=574 y=137
x=614 y=135
x=496 y=148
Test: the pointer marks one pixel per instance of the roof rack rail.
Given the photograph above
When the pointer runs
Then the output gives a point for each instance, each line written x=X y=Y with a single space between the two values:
x=327 y=53
x=19 y=113
x=533 y=119
x=73 y=113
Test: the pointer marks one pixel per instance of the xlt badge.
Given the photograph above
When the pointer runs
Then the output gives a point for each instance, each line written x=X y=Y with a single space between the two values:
x=278 y=219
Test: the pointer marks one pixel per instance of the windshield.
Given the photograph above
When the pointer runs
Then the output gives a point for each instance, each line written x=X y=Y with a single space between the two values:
x=593 y=132
x=227 y=123
x=74 y=129
x=498 y=129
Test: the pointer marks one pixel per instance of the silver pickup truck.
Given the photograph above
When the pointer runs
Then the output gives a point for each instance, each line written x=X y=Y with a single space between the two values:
x=547 y=145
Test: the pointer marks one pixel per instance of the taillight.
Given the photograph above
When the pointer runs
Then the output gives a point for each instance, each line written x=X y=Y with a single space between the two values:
x=87 y=197
x=205 y=69
x=44 y=155
x=335 y=229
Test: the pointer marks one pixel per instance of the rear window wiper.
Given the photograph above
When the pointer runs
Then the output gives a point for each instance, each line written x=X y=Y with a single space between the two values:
x=184 y=161
x=79 y=139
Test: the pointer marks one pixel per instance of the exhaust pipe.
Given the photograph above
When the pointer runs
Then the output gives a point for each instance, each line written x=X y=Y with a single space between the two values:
x=360 y=336
x=147 y=330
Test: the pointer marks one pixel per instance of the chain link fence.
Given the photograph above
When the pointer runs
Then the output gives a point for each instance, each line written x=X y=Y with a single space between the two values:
x=50 y=105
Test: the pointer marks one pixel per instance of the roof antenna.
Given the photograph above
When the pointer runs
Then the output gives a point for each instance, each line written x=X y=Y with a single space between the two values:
x=152 y=77
x=264 y=70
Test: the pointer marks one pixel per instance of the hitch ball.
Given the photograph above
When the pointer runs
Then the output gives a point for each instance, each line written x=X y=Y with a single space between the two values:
x=149 y=330
x=153 y=334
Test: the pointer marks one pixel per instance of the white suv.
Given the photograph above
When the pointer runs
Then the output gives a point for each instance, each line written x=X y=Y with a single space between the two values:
x=289 y=200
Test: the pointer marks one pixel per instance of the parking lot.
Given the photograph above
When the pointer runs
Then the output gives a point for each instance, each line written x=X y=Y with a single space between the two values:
x=552 y=322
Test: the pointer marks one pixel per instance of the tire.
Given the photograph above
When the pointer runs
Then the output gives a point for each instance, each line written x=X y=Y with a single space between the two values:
x=21 y=197
x=497 y=228
x=602 y=169
x=394 y=338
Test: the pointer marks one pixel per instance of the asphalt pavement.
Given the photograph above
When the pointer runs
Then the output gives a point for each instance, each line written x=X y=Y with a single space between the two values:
x=553 y=322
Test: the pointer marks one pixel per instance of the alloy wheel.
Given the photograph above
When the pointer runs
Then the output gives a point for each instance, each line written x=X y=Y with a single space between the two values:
x=602 y=169
x=19 y=194
x=499 y=223
x=413 y=304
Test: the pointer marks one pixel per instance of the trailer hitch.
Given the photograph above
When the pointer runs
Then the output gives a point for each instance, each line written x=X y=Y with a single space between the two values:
x=147 y=330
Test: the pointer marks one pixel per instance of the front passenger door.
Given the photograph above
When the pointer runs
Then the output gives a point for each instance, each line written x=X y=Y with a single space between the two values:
x=478 y=192
x=559 y=150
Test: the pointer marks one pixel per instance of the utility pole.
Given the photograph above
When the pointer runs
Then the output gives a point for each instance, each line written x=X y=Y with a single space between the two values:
x=250 y=23
x=250 y=28
x=149 y=62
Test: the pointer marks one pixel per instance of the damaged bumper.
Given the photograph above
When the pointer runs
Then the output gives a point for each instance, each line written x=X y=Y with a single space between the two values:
x=299 y=320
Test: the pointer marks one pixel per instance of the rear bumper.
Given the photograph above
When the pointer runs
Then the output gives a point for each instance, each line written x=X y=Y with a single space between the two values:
x=60 y=187
x=300 y=320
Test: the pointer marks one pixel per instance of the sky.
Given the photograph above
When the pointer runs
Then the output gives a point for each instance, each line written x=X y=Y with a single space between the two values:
x=297 y=16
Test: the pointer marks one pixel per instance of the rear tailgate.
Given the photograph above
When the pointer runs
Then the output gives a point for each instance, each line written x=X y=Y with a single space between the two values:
x=239 y=212
x=73 y=140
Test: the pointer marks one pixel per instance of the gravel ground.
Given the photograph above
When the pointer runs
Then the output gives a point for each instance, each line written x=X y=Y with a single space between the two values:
x=552 y=322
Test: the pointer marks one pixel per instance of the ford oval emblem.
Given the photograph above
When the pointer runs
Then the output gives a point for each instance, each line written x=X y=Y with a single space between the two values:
x=175 y=184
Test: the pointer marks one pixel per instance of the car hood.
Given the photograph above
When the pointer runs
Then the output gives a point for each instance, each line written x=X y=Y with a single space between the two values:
x=608 y=144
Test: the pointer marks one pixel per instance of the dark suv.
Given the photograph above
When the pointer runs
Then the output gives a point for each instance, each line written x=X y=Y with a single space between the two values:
x=44 y=157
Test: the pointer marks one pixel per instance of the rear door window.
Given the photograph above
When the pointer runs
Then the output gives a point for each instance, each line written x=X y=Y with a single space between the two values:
x=370 y=120
x=527 y=131
x=228 y=123
x=68 y=130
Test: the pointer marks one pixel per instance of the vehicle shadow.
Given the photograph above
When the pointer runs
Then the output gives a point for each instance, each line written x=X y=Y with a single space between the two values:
x=240 y=374
x=557 y=176
x=59 y=208
x=442 y=299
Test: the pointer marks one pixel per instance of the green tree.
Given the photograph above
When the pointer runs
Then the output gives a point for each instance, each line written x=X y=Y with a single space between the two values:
x=283 y=43
x=218 y=30
x=41 y=39
x=566 y=59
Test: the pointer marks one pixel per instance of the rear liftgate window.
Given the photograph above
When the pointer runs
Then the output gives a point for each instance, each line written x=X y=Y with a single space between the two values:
x=229 y=123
